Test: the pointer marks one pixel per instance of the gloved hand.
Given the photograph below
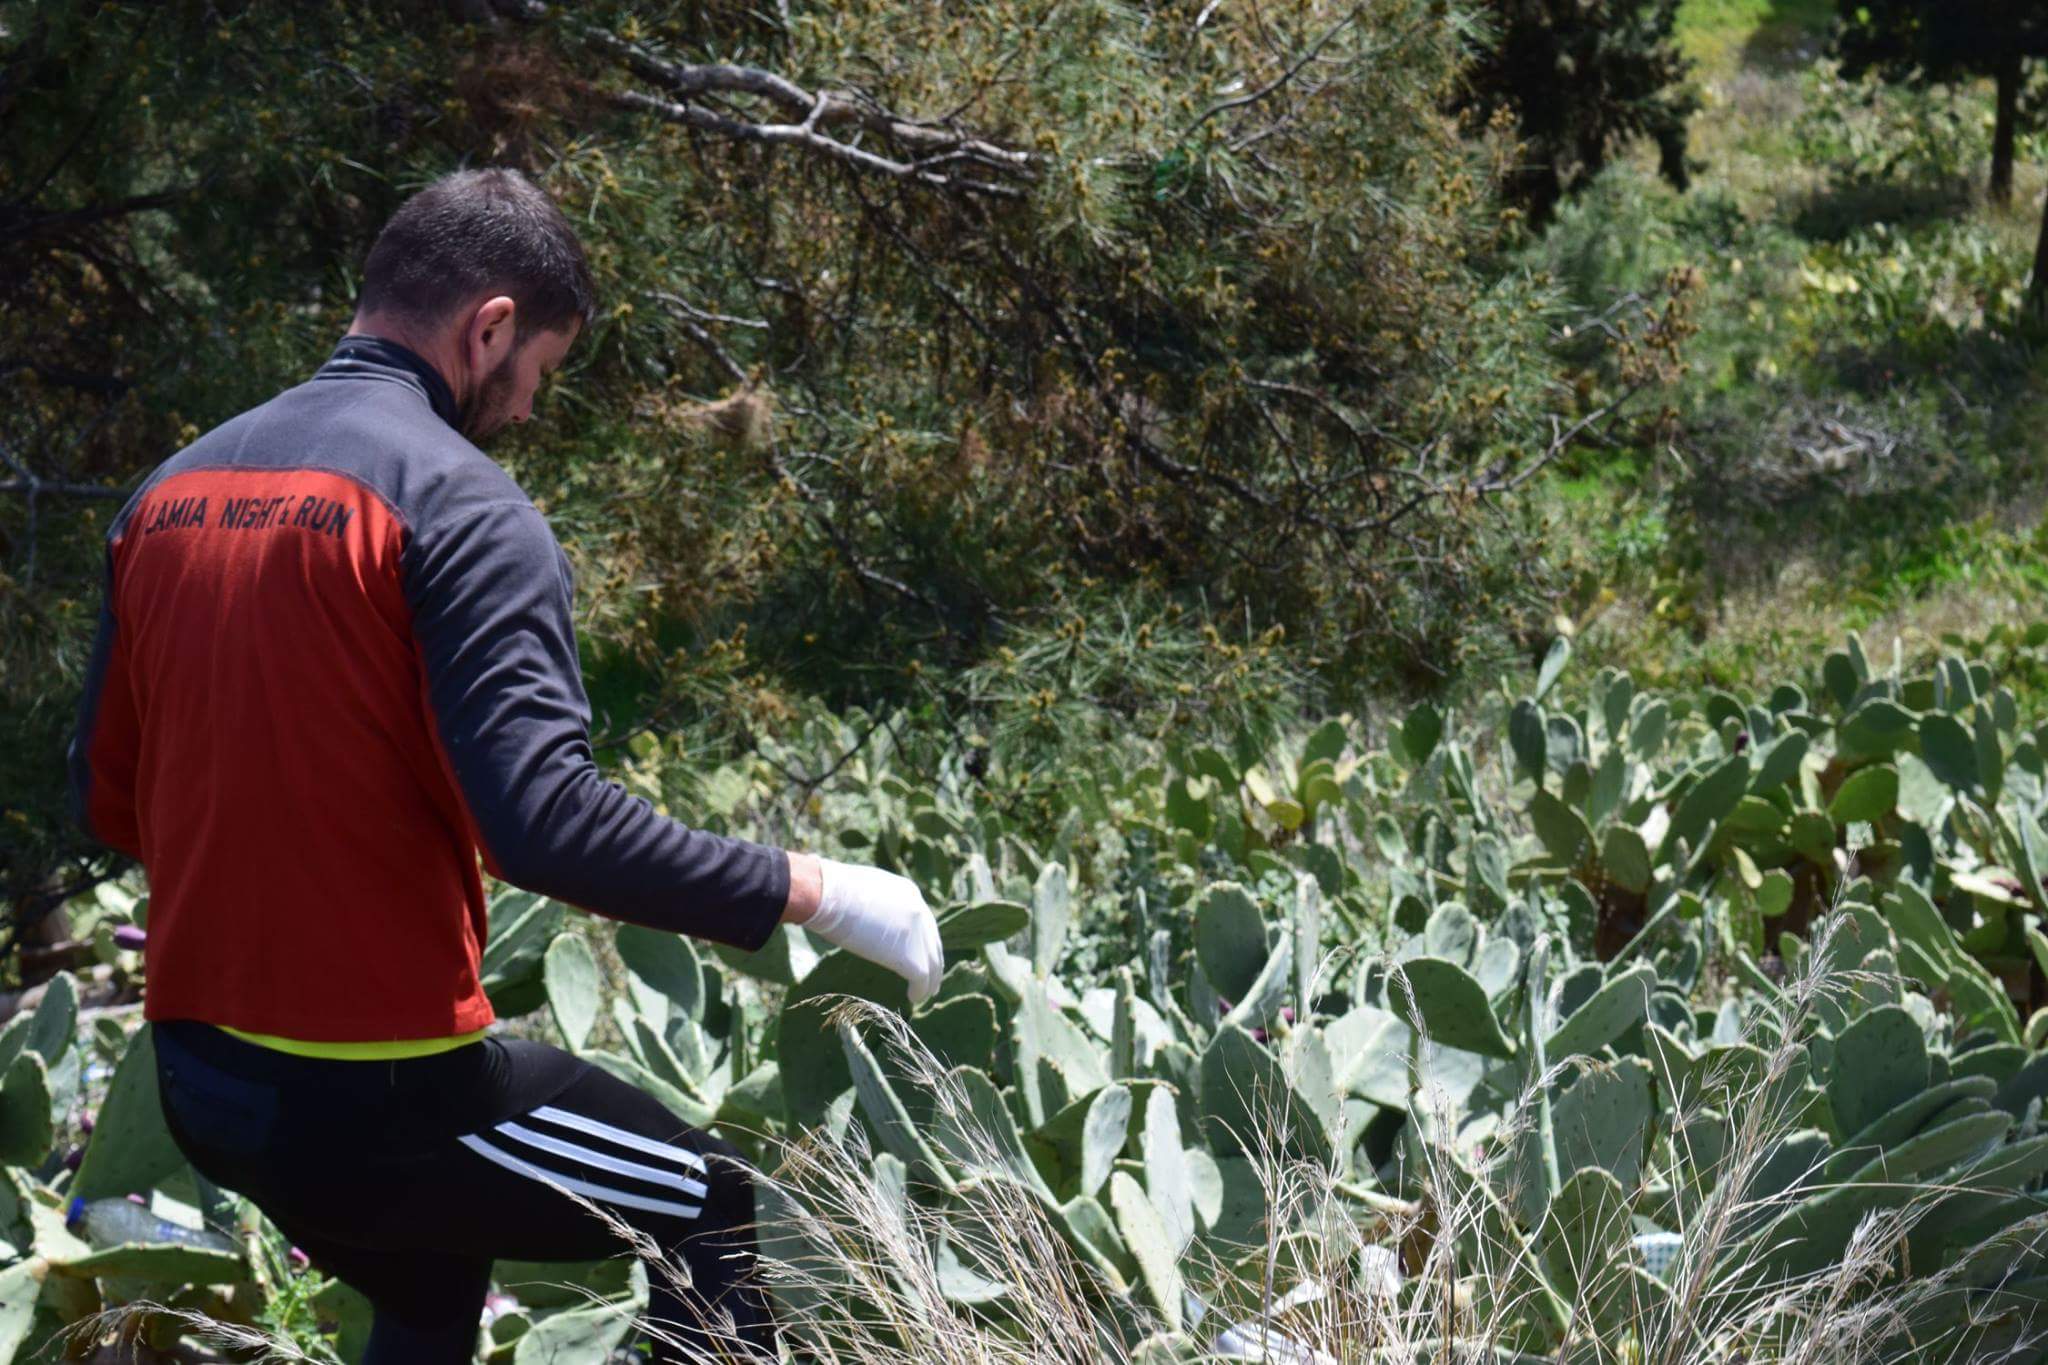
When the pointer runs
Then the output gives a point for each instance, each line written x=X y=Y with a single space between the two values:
x=883 y=918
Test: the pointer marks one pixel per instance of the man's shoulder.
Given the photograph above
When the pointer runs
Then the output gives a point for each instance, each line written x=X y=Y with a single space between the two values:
x=379 y=436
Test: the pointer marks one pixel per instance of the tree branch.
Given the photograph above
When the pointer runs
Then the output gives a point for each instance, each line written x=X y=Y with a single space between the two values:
x=804 y=135
x=1307 y=56
x=15 y=223
x=820 y=108
x=922 y=145
x=35 y=487
x=27 y=482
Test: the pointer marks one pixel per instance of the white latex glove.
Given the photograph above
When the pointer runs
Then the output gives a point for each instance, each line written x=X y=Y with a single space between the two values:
x=883 y=918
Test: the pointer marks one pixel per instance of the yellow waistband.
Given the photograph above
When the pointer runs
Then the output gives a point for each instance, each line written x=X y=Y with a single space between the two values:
x=358 y=1052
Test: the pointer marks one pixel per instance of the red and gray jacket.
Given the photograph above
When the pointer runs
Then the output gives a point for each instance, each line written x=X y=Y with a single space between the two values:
x=336 y=660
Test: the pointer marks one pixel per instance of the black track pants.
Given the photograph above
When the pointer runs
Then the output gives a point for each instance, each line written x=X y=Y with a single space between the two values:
x=407 y=1179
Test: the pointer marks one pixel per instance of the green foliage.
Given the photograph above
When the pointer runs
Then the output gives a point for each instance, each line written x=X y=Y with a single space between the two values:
x=1951 y=43
x=1579 y=82
x=1421 y=1021
x=909 y=532
x=1926 y=292
x=1921 y=146
x=1148 y=439
x=1797 y=1004
x=1847 y=459
x=300 y=1305
x=186 y=207
x=1912 y=39
x=130 y=1149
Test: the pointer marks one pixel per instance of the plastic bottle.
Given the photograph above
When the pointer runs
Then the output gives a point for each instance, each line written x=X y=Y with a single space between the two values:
x=117 y=1222
x=1658 y=1251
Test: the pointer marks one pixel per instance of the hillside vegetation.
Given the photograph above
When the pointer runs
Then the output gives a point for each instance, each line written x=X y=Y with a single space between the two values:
x=1472 y=688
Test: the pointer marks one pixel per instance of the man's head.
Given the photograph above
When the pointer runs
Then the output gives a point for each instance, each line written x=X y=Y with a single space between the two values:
x=483 y=276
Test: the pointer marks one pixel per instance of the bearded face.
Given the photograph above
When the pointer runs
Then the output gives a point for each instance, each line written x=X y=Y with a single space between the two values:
x=489 y=409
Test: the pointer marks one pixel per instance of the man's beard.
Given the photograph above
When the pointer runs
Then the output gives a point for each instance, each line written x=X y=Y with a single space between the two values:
x=484 y=415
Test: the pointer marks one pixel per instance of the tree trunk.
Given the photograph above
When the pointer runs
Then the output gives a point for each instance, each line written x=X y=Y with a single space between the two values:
x=2037 y=291
x=2007 y=128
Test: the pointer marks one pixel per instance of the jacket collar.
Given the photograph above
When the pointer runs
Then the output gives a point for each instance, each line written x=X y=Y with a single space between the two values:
x=360 y=353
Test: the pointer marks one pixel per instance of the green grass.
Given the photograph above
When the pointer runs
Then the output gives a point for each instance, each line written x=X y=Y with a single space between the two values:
x=1720 y=16
x=1716 y=32
x=1938 y=591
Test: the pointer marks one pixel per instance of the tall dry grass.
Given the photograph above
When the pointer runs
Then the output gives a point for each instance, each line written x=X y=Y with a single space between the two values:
x=861 y=1260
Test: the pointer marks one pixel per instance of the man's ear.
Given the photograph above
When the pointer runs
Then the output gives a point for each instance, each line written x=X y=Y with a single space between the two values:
x=490 y=334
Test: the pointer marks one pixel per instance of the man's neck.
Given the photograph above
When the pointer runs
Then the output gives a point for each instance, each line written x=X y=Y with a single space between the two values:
x=438 y=352
x=390 y=351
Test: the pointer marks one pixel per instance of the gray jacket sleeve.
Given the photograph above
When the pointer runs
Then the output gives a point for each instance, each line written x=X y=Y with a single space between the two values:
x=491 y=613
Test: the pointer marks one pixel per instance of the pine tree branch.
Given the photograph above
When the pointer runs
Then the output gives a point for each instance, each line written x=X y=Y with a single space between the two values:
x=16 y=221
x=825 y=108
x=922 y=146
x=34 y=487
x=45 y=488
x=686 y=318
x=806 y=135
x=1308 y=55
x=864 y=573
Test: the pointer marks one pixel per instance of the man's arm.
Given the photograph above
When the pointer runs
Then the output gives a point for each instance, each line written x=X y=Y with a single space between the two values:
x=106 y=746
x=491 y=612
x=490 y=597
x=806 y=886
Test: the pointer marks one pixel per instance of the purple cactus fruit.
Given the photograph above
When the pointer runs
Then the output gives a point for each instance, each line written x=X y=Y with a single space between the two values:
x=1222 y=1005
x=299 y=1259
x=1287 y=1013
x=1258 y=1035
x=129 y=937
x=73 y=1158
x=85 y=1125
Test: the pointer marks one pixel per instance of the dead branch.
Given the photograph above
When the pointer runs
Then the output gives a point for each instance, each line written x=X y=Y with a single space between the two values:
x=686 y=318
x=739 y=130
x=934 y=153
x=35 y=488
x=821 y=108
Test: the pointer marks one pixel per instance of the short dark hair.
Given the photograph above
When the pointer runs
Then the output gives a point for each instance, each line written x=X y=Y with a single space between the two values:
x=472 y=231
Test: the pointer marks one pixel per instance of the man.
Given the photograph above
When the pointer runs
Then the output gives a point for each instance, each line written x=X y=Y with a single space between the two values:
x=336 y=661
